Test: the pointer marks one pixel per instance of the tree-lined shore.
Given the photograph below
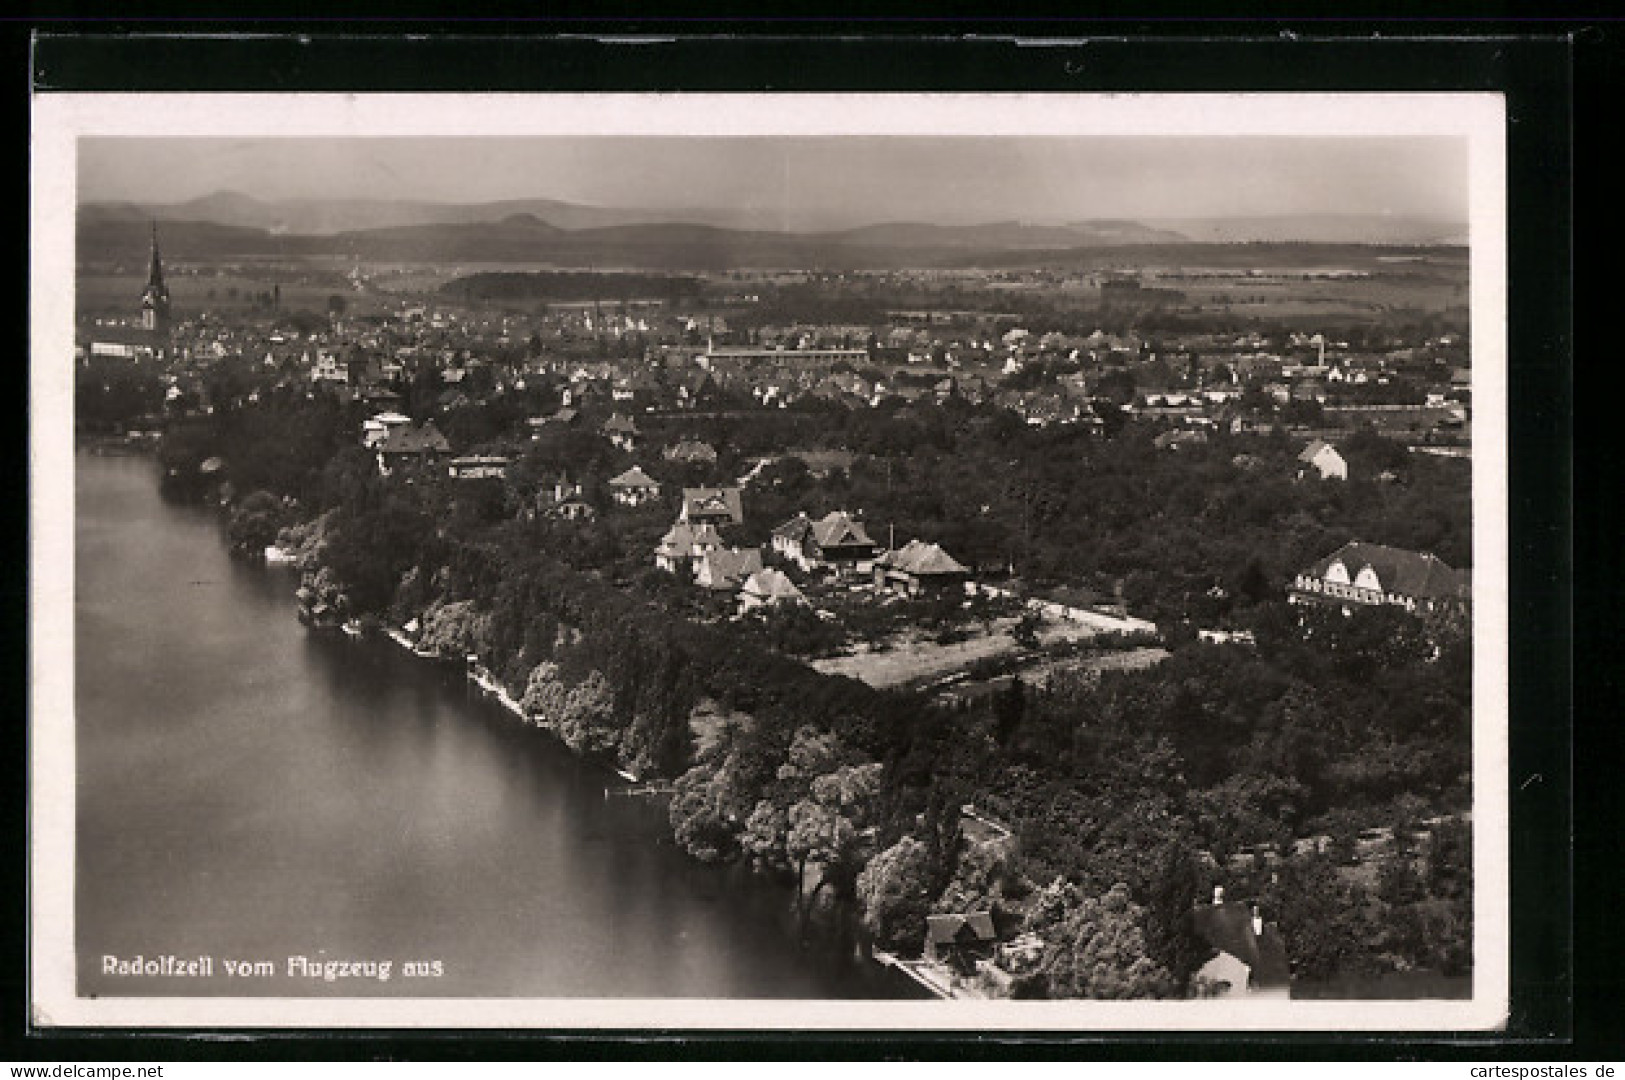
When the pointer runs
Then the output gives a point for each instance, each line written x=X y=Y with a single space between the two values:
x=1127 y=796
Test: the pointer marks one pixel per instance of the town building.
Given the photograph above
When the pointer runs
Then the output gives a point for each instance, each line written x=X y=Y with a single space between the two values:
x=1250 y=955
x=726 y=569
x=1321 y=459
x=719 y=357
x=375 y=429
x=835 y=541
x=767 y=587
x=478 y=467
x=712 y=506
x=409 y=444
x=1373 y=574
x=960 y=941
x=916 y=567
x=684 y=544
x=634 y=487
x=155 y=297
x=622 y=432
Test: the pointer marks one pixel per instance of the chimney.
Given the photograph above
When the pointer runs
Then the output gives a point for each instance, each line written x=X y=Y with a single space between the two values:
x=1218 y=895
x=1258 y=922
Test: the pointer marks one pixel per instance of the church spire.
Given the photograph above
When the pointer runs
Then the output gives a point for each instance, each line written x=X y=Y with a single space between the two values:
x=155 y=275
x=155 y=298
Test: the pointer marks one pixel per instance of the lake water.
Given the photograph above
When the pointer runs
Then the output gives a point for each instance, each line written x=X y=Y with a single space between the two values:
x=249 y=791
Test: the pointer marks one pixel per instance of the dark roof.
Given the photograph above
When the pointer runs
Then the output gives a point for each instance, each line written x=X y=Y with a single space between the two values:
x=620 y=425
x=409 y=439
x=711 y=501
x=825 y=461
x=839 y=529
x=794 y=530
x=727 y=569
x=1401 y=572
x=917 y=558
x=959 y=929
x=1229 y=928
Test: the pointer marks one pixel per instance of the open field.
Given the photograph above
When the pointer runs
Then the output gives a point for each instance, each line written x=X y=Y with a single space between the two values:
x=912 y=659
x=1039 y=673
x=223 y=293
x=1350 y=296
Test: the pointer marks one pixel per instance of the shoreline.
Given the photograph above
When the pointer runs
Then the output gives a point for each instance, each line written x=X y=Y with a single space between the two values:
x=492 y=689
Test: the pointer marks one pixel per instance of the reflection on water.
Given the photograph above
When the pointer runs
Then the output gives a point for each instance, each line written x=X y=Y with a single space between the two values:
x=248 y=791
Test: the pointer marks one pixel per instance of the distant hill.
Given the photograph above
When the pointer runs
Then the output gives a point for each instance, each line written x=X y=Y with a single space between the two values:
x=326 y=217
x=330 y=217
x=566 y=235
x=1321 y=229
x=1006 y=235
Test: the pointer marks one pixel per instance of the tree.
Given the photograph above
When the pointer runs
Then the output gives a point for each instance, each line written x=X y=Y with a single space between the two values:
x=766 y=834
x=1009 y=706
x=585 y=722
x=545 y=693
x=827 y=827
x=1170 y=930
x=1323 y=918
x=893 y=893
x=255 y=522
x=1025 y=632
x=701 y=821
x=1098 y=950
x=455 y=629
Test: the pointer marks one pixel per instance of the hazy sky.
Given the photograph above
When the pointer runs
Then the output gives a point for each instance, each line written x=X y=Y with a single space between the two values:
x=823 y=182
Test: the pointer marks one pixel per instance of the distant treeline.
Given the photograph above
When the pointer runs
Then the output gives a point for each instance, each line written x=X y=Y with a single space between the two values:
x=548 y=285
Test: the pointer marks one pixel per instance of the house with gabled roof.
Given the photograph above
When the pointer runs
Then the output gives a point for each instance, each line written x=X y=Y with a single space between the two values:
x=622 y=432
x=634 y=487
x=836 y=541
x=1322 y=459
x=918 y=566
x=727 y=568
x=712 y=506
x=1250 y=957
x=411 y=444
x=1374 y=574
x=767 y=587
x=684 y=544
x=959 y=941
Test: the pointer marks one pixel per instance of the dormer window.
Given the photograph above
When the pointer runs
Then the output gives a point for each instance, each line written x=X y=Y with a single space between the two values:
x=1367 y=579
x=1337 y=573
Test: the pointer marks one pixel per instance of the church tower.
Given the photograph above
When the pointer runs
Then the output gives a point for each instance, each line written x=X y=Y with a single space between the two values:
x=155 y=298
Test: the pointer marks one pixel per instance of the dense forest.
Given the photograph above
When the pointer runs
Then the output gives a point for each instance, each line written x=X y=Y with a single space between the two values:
x=1128 y=795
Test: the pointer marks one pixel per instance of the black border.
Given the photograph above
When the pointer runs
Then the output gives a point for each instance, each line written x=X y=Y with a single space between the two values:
x=1533 y=64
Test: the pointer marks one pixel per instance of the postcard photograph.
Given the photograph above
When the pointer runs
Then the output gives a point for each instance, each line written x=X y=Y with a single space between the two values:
x=965 y=562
